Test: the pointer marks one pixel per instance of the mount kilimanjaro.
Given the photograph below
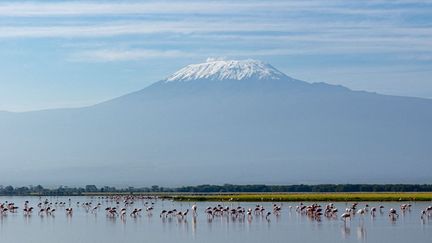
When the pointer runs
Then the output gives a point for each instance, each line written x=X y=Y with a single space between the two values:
x=223 y=122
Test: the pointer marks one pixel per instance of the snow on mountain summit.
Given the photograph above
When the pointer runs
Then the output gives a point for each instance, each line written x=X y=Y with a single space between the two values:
x=217 y=69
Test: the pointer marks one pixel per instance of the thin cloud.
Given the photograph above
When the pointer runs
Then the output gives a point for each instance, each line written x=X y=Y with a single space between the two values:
x=110 y=55
x=218 y=27
x=33 y=9
x=133 y=28
x=58 y=9
x=106 y=55
x=187 y=27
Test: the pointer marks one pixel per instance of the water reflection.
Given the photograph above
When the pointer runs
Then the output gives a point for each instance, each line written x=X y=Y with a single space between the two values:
x=346 y=231
x=225 y=221
x=361 y=232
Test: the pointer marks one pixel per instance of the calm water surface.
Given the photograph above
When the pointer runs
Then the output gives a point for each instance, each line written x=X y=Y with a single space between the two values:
x=290 y=226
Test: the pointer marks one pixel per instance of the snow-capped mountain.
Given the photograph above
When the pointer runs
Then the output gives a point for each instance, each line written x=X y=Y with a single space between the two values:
x=214 y=69
x=193 y=129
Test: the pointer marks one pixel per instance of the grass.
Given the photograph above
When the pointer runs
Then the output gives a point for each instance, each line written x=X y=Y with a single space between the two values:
x=335 y=197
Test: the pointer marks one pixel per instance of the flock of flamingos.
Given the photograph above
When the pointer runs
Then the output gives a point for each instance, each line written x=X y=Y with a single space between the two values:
x=124 y=206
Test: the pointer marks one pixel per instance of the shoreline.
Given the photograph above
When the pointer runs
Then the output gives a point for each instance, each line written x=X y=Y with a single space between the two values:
x=264 y=197
x=312 y=197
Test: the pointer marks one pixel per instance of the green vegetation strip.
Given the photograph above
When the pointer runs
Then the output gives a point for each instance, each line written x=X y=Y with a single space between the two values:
x=286 y=197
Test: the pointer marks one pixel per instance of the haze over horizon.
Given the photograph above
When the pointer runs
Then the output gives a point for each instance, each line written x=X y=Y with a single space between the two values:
x=76 y=53
x=223 y=121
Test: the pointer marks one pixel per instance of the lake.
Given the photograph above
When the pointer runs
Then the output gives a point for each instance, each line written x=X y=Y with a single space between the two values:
x=88 y=225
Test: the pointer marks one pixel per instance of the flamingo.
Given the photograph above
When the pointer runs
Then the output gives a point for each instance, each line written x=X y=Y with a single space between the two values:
x=361 y=211
x=194 y=209
x=3 y=210
x=345 y=216
x=268 y=215
x=423 y=214
x=95 y=209
x=122 y=212
x=28 y=211
x=429 y=210
x=185 y=213
x=393 y=214
x=69 y=211
x=134 y=213
x=373 y=211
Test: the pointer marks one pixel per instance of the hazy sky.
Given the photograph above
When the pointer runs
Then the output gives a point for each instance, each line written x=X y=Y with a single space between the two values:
x=74 y=53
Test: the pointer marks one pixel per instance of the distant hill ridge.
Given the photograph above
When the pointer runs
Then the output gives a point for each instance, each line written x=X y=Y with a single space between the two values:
x=224 y=121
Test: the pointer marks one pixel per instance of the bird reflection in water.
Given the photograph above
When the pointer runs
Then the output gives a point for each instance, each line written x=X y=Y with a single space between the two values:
x=194 y=226
x=361 y=232
x=346 y=231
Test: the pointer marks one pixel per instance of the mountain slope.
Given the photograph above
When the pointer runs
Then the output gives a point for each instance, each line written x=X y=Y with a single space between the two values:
x=249 y=129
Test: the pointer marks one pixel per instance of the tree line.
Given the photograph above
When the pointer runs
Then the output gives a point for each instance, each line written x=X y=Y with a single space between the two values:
x=226 y=188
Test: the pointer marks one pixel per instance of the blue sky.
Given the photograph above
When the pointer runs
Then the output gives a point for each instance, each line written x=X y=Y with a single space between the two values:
x=76 y=53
